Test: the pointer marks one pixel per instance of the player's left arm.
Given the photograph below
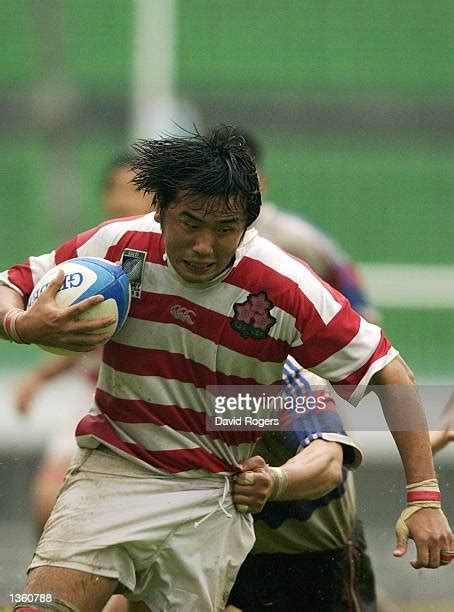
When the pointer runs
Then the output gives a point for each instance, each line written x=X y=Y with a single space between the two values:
x=427 y=526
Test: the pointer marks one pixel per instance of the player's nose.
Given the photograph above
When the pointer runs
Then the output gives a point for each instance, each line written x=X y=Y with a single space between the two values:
x=203 y=244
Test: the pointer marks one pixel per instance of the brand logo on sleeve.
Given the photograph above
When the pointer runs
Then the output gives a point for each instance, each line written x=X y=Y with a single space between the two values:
x=252 y=317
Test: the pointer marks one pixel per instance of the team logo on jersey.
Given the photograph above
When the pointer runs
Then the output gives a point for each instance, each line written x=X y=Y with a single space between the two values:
x=252 y=317
x=133 y=264
x=182 y=314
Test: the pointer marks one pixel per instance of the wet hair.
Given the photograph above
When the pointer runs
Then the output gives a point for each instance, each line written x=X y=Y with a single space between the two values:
x=215 y=166
x=252 y=144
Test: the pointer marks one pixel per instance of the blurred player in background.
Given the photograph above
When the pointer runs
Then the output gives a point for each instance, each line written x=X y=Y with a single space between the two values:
x=119 y=199
x=302 y=239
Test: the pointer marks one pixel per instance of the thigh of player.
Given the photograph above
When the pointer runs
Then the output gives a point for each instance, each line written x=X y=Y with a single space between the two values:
x=71 y=590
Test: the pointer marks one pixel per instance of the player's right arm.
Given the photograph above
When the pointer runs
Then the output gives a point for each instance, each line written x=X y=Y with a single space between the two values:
x=9 y=299
x=45 y=323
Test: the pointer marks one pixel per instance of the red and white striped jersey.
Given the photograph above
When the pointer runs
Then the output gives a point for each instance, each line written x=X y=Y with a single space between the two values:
x=180 y=337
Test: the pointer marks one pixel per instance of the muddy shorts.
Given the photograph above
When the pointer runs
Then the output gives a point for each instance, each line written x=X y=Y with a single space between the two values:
x=174 y=543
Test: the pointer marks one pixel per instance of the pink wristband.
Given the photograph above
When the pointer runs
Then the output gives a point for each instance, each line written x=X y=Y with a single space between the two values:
x=9 y=325
x=417 y=496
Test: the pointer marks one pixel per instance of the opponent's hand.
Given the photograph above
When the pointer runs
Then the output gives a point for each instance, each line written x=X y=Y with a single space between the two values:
x=45 y=323
x=430 y=530
x=253 y=486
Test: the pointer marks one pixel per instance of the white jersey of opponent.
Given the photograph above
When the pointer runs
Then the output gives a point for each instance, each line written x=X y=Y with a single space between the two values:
x=180 y=337
x=302 y=239
x=299 y=237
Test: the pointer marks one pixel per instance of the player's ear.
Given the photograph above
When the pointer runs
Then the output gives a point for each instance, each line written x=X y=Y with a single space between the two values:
x=157 y=216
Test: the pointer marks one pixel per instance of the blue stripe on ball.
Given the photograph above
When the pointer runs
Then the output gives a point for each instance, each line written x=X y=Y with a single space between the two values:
x=115 y=282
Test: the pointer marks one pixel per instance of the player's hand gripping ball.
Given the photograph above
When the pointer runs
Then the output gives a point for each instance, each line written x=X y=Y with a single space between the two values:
x=85 y=277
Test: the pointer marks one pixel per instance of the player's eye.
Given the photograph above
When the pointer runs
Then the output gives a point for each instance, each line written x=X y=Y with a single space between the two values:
x=189 y=224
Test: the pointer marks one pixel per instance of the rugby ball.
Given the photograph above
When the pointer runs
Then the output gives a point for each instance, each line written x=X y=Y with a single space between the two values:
x=85 y=277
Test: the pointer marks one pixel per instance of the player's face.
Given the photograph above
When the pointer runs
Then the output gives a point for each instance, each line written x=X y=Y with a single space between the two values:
x=120 y=197
x=201 y=239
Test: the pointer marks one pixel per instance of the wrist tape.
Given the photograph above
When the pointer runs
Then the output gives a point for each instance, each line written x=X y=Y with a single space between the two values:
x=425 y=494
x=280 y=483
x=9 y=325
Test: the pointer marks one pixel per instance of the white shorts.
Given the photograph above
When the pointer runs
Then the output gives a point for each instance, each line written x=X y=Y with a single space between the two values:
x=115 y=518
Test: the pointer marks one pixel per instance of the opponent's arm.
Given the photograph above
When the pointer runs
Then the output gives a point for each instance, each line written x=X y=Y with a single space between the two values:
x=314 y=471
x=402 y=408
x=311 y=473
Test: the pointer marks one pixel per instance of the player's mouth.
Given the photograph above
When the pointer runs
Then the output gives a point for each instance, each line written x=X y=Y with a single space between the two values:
x=197 y=266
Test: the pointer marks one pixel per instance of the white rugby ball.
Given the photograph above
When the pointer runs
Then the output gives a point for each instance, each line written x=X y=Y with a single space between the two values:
x=85 y=277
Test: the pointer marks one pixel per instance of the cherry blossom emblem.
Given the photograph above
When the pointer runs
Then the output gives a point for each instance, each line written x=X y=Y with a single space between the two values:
x=252 y=317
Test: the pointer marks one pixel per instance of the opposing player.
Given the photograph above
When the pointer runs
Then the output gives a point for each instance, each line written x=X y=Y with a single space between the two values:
x=214 y=304
x=305 y=556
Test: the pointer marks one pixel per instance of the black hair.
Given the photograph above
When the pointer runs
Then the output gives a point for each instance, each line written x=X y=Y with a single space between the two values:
x=215 y=166
x=252 y=144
